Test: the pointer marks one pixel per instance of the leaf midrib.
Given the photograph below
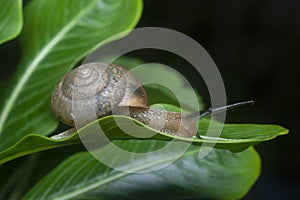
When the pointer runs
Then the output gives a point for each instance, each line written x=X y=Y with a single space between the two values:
x=90 y=187
x=34 y=64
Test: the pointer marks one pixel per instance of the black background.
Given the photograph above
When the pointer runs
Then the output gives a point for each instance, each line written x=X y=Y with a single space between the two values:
x=255 y=45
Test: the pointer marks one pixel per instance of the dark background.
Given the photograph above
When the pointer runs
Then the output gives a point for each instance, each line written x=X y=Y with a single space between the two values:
x=255 y=45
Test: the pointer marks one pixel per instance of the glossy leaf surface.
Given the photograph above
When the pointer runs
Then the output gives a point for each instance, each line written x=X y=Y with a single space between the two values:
x=235 y=137
x=220 y=175
x=10 y=19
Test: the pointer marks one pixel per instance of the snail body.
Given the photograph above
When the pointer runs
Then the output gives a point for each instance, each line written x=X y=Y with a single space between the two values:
x=103 y=89
x=107 y=88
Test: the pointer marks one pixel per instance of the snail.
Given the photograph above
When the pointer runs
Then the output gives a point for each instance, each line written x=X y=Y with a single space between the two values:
x=110 y=89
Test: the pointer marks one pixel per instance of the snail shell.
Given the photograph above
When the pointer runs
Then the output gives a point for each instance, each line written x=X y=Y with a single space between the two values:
x=105 y=88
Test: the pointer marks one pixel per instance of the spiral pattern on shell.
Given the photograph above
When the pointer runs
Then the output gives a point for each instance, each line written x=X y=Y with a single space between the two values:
x=98 y=86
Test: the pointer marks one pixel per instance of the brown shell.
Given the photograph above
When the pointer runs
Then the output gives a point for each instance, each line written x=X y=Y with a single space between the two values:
x=93 y=90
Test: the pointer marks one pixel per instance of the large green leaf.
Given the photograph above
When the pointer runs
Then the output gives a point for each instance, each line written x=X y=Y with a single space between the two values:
x=220 y=175
x=10 y=19
x=57 y=34
x=235 y=137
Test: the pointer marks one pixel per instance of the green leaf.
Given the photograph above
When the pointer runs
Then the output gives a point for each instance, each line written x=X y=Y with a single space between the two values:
x=238 y=137
x=12 y=187
x=57 y=34
x=220 y=175
x=35 y=143
x=235 y=137
x=10 y=19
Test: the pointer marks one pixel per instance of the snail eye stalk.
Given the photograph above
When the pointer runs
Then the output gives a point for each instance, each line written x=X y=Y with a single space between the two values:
x=211 y=111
